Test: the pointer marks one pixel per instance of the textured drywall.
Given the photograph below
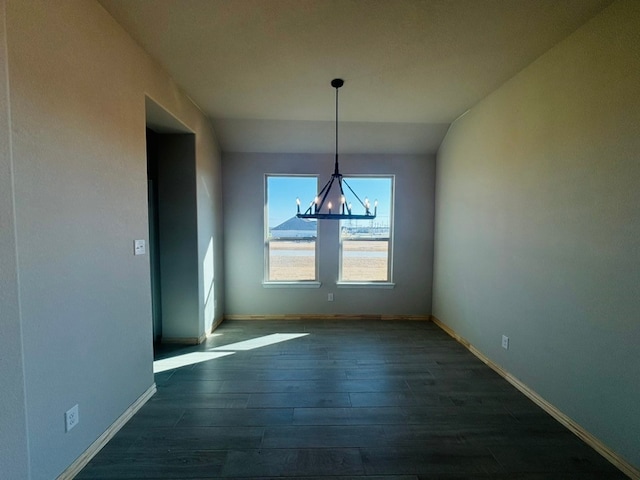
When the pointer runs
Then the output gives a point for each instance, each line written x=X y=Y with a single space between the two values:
x=77 y=85
x=537 y=227
x=13 y=427
x=243 y=176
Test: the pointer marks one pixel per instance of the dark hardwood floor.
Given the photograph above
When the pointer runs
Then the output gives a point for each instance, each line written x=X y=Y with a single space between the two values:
x=350 y=400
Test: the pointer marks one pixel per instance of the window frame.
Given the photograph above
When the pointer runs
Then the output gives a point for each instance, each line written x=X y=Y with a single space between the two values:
x=371 y=283
x=266 y=282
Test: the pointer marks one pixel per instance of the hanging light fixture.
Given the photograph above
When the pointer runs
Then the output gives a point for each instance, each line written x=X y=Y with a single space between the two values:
x=317 y=207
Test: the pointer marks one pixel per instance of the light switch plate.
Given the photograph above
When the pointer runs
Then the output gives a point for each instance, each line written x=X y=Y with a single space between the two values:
x=139 y=247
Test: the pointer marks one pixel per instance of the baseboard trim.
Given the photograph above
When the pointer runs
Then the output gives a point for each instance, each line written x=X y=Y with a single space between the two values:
x=216 y=324
x=108 y=434
x=337 y=316
x=623 y=465
x=185 y=340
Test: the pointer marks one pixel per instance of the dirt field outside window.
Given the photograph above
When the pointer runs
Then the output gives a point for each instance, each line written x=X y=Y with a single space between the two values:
x=295 y=261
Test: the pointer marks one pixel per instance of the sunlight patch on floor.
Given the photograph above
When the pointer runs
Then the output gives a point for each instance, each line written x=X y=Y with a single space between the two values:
x=187 y=359
x=165 y=364
x=260 y=341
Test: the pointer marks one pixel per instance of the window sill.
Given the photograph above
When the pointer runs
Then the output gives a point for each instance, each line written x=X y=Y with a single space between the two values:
x=366 y=285
x=309 y=284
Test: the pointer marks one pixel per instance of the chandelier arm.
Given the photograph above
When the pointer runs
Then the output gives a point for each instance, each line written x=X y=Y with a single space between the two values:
x=328 y=184
x=326 y=191
x=354 y=193
x=342 y=196
x=318 y=196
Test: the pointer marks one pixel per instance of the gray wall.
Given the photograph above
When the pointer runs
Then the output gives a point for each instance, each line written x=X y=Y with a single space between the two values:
x=537 y=227
x=74 y=295
x=243 y=176
x=211 y=283
x=14 y=461
x=177 y=226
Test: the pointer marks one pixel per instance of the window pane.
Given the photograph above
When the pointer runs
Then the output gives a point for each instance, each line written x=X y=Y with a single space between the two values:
x=291 y=241
x=365 y=260
x=366 y=244
x=292 y=260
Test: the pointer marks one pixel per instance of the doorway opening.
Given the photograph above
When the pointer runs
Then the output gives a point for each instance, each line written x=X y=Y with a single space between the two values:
x=172 y=214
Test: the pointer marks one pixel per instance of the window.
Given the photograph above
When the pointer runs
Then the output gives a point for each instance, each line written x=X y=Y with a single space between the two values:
x=365 y=245
x=290 y=242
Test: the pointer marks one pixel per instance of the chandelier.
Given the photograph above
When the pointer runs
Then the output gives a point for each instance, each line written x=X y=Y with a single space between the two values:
x=317 y=208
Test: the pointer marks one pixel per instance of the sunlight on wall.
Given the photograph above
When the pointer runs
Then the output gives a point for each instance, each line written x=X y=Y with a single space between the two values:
x=207 y=283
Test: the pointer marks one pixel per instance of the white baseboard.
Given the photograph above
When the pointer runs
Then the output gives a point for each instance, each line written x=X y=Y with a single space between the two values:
x=624 y=466
x=333 y=316
x=108 y=434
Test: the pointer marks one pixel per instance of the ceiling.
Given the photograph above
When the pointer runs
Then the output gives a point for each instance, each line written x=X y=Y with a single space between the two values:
x=261 y=69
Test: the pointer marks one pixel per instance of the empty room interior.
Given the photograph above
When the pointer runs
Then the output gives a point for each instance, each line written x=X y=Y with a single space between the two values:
x=470 y=310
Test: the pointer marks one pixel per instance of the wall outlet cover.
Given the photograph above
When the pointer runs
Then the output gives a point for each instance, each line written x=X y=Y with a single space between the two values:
x=71 y=417
x=505 y=342
x=139 y=247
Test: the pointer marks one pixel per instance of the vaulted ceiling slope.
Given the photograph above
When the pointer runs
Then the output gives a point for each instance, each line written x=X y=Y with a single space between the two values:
x=260 y=69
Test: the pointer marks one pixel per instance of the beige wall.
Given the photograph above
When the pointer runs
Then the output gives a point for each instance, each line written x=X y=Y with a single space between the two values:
x=537 y=227
x=244 y=237
x=77 y=103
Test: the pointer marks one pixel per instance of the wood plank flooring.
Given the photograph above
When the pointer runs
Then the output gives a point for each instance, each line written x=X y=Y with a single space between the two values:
x=376 y=400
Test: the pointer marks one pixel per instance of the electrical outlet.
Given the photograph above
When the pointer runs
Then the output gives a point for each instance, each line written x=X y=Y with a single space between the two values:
x=139 y=247
x=505 y=342
x=71 y=418
x=330 y=298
